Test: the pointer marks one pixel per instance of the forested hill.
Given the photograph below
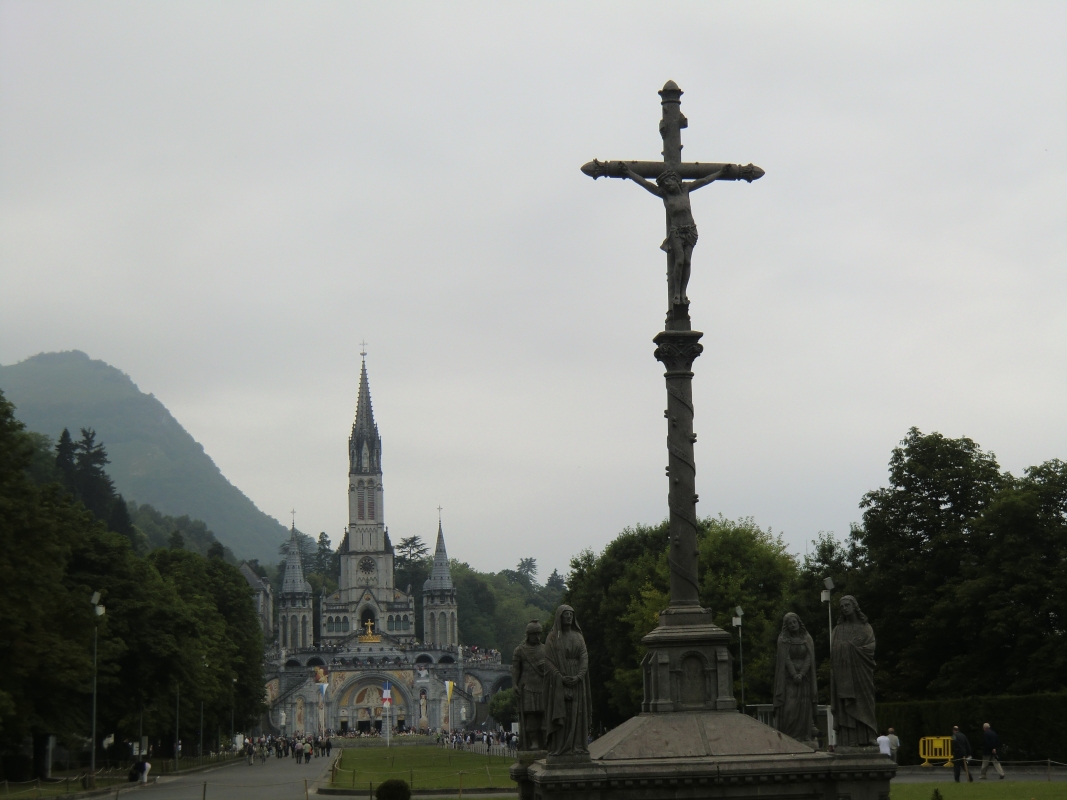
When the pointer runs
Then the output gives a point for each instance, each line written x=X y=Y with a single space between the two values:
x=153 y=458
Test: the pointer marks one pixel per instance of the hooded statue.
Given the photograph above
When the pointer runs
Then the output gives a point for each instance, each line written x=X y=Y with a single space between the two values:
x=796 y=695
x=567 y=696
x=852 y=687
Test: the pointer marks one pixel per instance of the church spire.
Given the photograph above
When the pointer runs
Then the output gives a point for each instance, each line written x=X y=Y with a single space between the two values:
x=440 y=575
x=364 y=445
x=293 y=582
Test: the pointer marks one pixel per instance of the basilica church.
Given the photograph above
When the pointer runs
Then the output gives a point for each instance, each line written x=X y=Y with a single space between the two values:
x=334 y=677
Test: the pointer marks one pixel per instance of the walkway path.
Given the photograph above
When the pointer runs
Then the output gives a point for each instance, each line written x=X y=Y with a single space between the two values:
x=277 y=779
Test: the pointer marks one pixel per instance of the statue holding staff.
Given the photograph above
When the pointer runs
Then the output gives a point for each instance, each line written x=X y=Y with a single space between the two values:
x=528 y=677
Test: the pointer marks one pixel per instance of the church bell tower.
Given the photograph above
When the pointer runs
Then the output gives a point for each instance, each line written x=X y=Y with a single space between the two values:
x=367 y=554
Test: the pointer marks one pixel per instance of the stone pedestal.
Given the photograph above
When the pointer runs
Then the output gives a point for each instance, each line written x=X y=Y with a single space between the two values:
x=691 y=755
x=688 y=666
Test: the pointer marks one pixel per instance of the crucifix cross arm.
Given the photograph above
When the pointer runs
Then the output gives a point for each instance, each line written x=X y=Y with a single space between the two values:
x=675 y=180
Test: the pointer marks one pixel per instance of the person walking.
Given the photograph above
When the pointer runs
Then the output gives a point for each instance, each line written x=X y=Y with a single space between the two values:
x=894 y=745
x=990 y=745
x=961 y=752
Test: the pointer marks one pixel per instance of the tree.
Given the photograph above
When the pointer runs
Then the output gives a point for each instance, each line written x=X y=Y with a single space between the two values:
x=916 y=535
x=504 y=707
x=527 y=568
x=326 y=562
x=410 y=550
x=177 y=541
x=618 y=595
x=556 y=581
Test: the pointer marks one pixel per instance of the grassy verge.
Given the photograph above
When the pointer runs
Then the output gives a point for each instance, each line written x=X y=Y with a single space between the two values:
x=422 y=768
x=986 y=790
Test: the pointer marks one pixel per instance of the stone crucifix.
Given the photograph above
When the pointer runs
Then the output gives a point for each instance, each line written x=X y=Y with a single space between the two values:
x=678 y=345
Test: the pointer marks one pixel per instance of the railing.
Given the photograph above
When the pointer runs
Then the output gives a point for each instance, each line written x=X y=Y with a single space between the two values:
x=936 y=748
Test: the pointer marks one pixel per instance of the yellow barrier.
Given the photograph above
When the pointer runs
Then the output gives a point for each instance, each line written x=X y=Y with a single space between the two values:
x=937 y=748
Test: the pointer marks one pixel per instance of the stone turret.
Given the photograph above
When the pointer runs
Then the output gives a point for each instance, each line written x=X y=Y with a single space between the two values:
x=440 y=623
x=295 y=628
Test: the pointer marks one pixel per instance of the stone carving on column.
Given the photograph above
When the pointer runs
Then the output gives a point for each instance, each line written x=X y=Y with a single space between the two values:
x=528 y=676
x=796 y=694
x=852 y=687
x=567 y=695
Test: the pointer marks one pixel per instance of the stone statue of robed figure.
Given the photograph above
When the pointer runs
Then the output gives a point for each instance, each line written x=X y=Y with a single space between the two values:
x=852 y=687
x=796 y=694
x=567 y=695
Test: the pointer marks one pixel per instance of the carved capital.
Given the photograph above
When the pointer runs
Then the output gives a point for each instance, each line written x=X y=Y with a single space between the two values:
x=678 y=349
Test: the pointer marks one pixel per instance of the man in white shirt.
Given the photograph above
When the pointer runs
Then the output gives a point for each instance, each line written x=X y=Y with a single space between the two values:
x=883 y=746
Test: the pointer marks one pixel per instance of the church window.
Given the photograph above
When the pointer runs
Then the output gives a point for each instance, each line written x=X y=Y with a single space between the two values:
x=304 y=631
x=431 y=634
x=407 y=622
x=285 y=640
x=452 y=630
x=360 y=502
x=329 y=625
x=366 y=458
x=391 y=624
x=370 y=502
x=344 y=624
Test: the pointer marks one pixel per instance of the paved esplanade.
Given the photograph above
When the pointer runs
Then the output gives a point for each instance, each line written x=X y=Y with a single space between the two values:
x=277 y=779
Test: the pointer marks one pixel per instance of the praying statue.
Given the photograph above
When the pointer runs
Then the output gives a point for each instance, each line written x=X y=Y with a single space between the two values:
x=681 y=227
x=528 y=677
x=567 y=696
x=852 y=686
x=796 y=695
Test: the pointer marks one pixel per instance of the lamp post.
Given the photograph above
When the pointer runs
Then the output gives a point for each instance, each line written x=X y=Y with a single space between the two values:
x=98 y=611
x=177 y=724
x=741 y=652
x=827 y=593
x=233 y=694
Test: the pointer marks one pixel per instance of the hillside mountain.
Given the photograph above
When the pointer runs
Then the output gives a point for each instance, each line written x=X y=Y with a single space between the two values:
x=153 y=458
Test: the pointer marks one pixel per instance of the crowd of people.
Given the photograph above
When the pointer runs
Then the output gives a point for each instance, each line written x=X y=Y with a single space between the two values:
x=298 y=746
x=458 y=740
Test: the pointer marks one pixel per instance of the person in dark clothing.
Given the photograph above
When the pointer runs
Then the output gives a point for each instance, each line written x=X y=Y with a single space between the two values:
x=990 y=744
x=961 y=752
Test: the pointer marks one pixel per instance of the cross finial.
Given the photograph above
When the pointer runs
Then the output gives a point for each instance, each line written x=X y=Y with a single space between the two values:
x=363 y=350
x=439 y=510
x=293 y=512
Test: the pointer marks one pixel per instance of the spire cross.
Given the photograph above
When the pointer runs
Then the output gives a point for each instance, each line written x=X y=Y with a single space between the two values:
x=439 y=510
x=363 y=349
x=293 y=512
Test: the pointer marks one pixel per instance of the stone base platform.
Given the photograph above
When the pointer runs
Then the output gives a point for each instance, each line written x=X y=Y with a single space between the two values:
x=685 y=756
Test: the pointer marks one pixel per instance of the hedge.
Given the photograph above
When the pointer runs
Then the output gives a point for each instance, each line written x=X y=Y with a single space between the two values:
x=1031 y=727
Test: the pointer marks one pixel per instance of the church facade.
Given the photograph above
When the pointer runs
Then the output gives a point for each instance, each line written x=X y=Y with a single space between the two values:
x=332 y=675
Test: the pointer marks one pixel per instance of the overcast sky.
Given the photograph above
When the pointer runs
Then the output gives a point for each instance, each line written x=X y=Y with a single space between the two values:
x=223 y=199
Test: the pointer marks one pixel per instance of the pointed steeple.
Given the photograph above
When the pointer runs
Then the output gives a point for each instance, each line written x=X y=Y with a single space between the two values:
x=364 y=445
x=364 y=422
x=293 y=582
x=440 y=576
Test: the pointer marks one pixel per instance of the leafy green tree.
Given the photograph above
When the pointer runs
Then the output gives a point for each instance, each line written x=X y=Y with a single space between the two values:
x=504 y=707
x=410 y=550
x=915 y=535
x=45 y=636
x=527 y=568
x=556 y=581
x=622 y=591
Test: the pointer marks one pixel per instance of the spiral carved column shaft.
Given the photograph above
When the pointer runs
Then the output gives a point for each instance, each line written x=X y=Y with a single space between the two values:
x=677 y=350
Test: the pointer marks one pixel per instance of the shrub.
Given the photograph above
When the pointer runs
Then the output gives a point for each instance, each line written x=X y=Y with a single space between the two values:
x=394 y=789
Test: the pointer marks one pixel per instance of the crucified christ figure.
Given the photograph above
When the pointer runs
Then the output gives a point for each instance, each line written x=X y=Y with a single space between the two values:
x=681 y=227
